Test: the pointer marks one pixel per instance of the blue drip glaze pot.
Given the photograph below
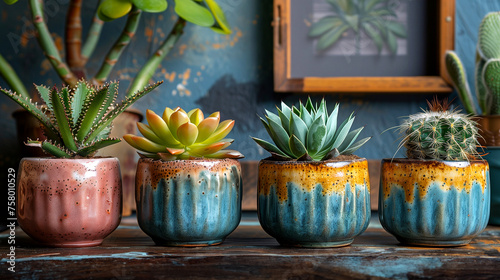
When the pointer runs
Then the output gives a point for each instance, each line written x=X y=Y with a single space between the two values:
x=434 y=203
x=493 y=158
x=314 y=204
x=188 y=202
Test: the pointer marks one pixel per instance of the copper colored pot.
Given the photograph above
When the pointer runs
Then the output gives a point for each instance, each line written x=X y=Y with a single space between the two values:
x=69 y=202
x=489 y=129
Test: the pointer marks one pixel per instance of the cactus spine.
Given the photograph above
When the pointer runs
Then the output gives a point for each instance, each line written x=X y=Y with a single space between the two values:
x=439 y=134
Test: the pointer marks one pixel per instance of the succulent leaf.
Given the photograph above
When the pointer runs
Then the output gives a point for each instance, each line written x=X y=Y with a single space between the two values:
x=62 y=120
x=308 y=132
x=96 y=145
x=456 y=72
x=187 y=133
x=296 y=147
x=206 y=128
x=489 y=36
x=70 y=115
x=110 y=116
x=161 y=129
x=491 y=74
x=180 y=135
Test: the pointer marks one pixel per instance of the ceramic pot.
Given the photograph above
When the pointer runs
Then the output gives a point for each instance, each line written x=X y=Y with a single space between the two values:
x=493 y=158
x=314 y=204
x=434 y=203
x=188 y=202
x=125 y=123
x=489 y=128
x=69 y=202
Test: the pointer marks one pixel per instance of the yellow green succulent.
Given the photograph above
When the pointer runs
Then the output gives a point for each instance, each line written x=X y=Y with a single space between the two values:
x=180 y=135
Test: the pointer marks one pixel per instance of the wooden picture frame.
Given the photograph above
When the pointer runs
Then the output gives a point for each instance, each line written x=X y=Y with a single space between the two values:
x=413 y=84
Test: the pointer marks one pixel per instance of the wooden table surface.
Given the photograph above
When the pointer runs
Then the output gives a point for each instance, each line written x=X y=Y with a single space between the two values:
x=249 y=252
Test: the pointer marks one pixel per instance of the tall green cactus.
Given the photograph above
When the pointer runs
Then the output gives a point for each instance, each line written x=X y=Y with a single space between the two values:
x=487 y=69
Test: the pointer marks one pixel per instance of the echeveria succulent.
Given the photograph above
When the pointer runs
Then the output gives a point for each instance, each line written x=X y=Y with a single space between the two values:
x=77 y=121
x=181 y=135
x=309 y=133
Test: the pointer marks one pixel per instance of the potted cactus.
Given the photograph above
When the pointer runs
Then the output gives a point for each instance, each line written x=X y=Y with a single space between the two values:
x=188 y=185
x=312 y=191
x=487 y=84
x=72 y=199
x=440 y=194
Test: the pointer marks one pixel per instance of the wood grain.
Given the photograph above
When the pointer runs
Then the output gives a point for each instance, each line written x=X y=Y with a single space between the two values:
x=250 y=253
x=423 y=84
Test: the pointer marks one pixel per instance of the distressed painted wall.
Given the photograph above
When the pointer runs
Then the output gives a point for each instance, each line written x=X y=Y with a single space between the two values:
x=232 y=73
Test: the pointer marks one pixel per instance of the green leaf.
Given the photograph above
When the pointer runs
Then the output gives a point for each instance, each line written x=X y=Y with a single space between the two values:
x=90 y=112
x=55 y=150
x=273 y=116
x=350 y=139
x=316 y=136
x=298 y=149
x=279 y=135
x=33 y=109
x=45 y=95
x=309 y=106
x=151 y=6
x=285 y=109
x=10 y=2
x=323 y=25
x=305 y=115
x=392 y=42
x=374 y=35
x=109 y=117
x=356 y=146
x=342 y=132
x=94 y=146
x=269 y=147
x=298 y=128
x=194 y=13
x=397 y=28
x=218 y=13
x=330 y=37
x=285 y=120
x=62 y=121
x=111 y=93
x=113 y=9
x=371 y=4
x=331 y=124
x=78 y=99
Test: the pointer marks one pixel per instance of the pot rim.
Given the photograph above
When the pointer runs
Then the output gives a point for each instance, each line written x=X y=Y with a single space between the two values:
x=456 y=163
x=152 y=160
x=311 y=162
x=55 y=158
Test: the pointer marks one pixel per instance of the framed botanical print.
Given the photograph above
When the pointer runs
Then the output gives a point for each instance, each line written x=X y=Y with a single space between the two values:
x=362 y=46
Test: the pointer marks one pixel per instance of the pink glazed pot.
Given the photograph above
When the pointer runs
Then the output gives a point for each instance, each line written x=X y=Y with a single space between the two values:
x=69 y=202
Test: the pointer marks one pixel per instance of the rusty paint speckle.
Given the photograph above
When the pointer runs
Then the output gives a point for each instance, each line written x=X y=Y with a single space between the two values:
x=406 y=173
x=333 y=176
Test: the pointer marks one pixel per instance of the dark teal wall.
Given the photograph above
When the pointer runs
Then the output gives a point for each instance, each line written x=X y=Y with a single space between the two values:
x=232 y=74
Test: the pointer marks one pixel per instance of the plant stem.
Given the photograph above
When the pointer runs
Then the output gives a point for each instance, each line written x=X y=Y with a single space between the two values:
x=10 y=76
x=92 y=37
x=120 y=44
x=73 y=37
x=48 y=46
x=149 y=68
